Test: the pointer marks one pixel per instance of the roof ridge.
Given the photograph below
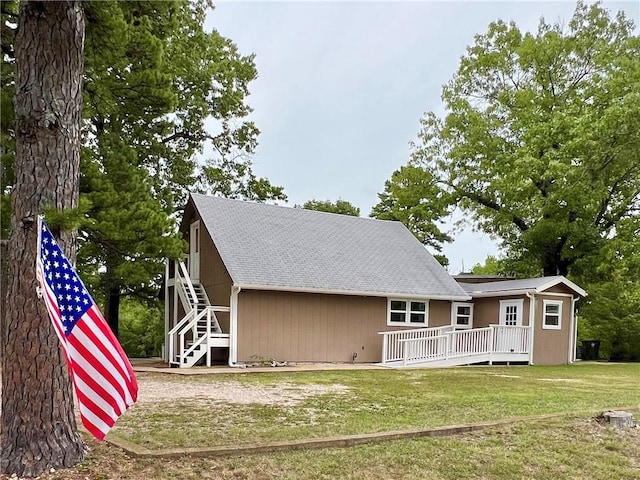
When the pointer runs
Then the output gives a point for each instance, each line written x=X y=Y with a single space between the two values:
x=287 y=207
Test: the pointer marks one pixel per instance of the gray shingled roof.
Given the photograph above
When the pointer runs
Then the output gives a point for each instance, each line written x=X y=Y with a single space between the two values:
x=290 y=248
x=526 y=284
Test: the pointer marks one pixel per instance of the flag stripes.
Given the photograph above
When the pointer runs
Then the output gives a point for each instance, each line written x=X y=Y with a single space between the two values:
x=104 y=381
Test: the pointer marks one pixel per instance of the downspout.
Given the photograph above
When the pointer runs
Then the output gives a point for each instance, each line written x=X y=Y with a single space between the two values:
x=532 y=323
x=233 y=329
x=573 y=332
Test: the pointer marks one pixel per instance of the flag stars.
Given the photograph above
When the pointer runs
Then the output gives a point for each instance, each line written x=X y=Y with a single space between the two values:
x=66 y=276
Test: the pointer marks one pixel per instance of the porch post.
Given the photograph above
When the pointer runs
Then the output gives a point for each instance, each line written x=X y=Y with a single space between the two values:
x=385 y=343
x=492 y=333
x=573 y=332
x=532 y=324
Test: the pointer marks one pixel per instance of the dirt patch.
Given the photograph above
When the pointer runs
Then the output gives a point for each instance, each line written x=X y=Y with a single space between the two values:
x=153 y=390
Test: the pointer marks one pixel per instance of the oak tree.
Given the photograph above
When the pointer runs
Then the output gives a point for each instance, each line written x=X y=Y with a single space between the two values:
x=340 y=206
x=539 y=145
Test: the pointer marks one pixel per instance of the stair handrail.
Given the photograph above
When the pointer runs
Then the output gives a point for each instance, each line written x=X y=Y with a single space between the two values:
x=174 y=330
x=180 y=329
x=185 y=280
x=194 y=345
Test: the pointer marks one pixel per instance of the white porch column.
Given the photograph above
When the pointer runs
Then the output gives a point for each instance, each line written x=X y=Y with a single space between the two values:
x=532 y=324
x=573 y=332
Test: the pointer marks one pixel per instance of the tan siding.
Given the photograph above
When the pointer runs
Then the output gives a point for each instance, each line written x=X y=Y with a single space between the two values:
x=551 y=347
x=303 y=327
x=486 y=311
x=560 y=288
x=439 y=313
x=213 y=273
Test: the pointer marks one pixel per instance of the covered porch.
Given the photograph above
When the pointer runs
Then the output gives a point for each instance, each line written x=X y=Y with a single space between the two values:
x=446 y=346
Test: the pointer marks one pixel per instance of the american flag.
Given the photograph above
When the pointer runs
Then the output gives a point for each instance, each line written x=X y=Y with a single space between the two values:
x=104 y=381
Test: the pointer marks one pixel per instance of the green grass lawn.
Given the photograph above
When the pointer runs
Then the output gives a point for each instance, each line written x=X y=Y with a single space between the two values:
x=380 y=400
x=561 y=448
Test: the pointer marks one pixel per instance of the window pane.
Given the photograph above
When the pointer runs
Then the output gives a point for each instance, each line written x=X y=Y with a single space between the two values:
x=462 y=320
x=418 y=306
x=398 y=305
x=552 y=308
x=552 y=320
x=397 y=317
x=417 y=318
x=464 y=311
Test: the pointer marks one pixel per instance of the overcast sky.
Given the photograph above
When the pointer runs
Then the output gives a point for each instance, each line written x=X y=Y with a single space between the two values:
x=342 y=86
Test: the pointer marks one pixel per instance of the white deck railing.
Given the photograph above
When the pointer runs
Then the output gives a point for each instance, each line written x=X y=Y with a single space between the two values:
x=393 y=342
x=495 y=342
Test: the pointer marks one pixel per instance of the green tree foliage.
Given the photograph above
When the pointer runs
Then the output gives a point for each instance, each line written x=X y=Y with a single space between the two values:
x=142 y=328
x=540 y=148
x=611 y=312
x=540 y=145
x=341 y=207
x=491 y=266
x=414 y=198
x=159 y=90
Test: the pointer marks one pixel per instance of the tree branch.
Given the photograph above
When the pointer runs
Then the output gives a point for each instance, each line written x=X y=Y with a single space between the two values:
x=495 y=206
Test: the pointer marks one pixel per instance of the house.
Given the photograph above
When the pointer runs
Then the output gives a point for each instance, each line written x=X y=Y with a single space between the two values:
x=270 y=282
x=549 y=301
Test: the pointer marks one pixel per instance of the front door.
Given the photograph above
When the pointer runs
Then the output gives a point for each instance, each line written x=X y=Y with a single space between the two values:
x=194 y=252
x=511 y=312
x=508 y=340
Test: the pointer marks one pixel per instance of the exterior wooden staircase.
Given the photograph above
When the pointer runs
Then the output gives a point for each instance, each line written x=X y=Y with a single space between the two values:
x=193 y=337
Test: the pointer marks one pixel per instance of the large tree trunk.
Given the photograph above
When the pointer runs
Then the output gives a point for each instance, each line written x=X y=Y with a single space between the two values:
x=39 y=430
x=112 y=309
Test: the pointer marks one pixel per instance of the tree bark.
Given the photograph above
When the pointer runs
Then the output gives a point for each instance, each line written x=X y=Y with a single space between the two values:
x=39 y=429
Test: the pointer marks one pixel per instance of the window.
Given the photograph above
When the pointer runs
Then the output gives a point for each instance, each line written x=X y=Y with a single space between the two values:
x=462 y=315
x=552 y=319
x=407 y=312
x=511 y=312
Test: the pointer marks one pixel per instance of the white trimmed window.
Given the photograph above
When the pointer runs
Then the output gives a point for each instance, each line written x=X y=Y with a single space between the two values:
x=462 y=315
x=552 y=317
x=403 y=311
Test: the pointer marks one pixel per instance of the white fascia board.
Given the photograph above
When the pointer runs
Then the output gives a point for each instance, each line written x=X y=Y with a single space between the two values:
x=278 y=288
x=564 y=281
x=501 y=293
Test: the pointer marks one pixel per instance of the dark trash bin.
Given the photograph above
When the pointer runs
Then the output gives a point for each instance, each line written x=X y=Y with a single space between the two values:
x=589 y=349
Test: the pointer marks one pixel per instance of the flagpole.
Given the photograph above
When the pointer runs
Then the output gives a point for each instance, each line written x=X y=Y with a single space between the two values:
x=38 y=250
